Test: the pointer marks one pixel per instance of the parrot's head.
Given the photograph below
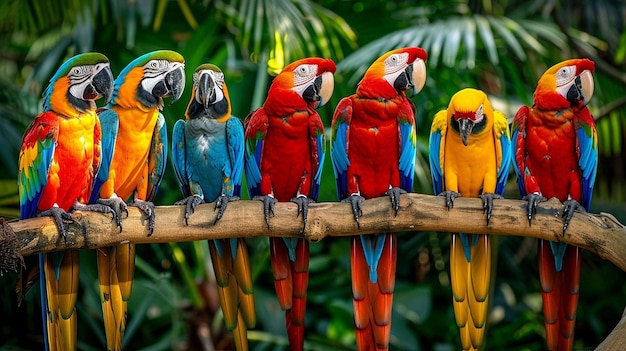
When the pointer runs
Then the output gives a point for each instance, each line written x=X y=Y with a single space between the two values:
x=80 y=81
x=469 y=113
x=152 y=77
x=209 y=96
x=310 y=78
x=401 y=69
x=568 y=84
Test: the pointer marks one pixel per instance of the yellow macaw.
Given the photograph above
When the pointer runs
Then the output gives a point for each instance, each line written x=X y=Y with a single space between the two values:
x=134 y=144
x=470 y=155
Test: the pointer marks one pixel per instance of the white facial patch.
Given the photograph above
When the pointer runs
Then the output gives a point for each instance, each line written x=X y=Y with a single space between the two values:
x=303 y=76
x=218 y=80
x=155 y=70
x=394 y=65
x=564 y=78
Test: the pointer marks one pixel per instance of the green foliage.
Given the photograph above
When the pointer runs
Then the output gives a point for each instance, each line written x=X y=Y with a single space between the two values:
x=500 y=47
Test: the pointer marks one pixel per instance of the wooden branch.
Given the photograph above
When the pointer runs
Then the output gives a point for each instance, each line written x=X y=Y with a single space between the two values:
x=601 y=234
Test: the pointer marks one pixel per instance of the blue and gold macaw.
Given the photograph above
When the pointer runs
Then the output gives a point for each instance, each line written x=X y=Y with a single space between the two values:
x=134 y=143
x=470 y=156
x=208 y=155
x=58 y=160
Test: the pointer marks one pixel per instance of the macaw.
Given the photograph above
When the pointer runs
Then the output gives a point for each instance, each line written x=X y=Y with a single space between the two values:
x=59 y=157
x=556 y=155
x=284 y=158
x=373 y=145
x=207 y=151
x=470 y=156
x=134 y=143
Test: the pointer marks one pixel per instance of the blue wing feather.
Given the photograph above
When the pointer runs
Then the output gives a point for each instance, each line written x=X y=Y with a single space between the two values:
x=339 y=155
x=157 y=159
x=236 y=146
x=179 y=159
x=434 y=150
x=317 y=178
x=588 y=162
x=109 y=122
x=408 y=148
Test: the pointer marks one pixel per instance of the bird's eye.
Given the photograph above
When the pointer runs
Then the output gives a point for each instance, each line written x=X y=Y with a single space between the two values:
x=565 y=75
x=302 y=70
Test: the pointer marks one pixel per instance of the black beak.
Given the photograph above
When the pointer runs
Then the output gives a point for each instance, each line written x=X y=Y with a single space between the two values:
x=575 y=93
x=103 y=83
x=175 y=83
x=312 y=92
x=465 y=129
x=205 y=91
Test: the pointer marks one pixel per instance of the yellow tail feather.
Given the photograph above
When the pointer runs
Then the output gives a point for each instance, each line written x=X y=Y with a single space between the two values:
x=113 y=305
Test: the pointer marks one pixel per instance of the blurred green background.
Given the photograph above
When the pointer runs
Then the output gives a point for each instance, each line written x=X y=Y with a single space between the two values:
x=501 y=47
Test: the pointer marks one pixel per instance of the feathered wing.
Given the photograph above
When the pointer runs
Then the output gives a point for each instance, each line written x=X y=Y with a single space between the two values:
x=340 y=130
x=256 y=129
x=587 y=145
x=408 y=148
x=436 y=145
x=157 y=158
x=504 y=153
x=518 y=142
x=109 y=125
x=179 y=157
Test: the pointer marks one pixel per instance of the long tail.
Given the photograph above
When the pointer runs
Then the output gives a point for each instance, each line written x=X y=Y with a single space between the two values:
x=290 y=265
x=373 y=262
x=234 y=279
x=559 y=274
x=116 y=267
x=59 y=290
x=470 y=271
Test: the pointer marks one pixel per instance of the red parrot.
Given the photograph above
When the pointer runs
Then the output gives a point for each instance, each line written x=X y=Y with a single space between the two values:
x=284 y=158
x=373 y=149
x=58 y=160
x=556 y=155
x=133 y=164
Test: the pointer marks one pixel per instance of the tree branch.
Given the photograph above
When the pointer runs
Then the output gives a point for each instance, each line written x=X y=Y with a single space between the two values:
x=601 y=234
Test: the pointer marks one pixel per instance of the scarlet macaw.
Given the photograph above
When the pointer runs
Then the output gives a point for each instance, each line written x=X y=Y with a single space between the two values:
x=470 y=155
x=284 y=158
x=59 y=157
x=373 y=149
x=208 y=154
x=133 y=163
x=556 y=155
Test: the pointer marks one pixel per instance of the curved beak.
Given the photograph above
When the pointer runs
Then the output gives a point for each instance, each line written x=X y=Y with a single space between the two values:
x=205 y=91
x=175 y=82
x=103 y=83
x=418 y=75
x=586 y=86
x=324 y=86
x=465 y=129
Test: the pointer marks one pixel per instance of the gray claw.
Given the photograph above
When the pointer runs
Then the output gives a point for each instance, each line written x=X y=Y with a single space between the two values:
x=356 y=201
x=221 y=203
x=394 y=195
x=190 y=203
x=119 y=208
x=147 y=208
x=450 y=196
x=533 y=201
x=268 y=207
x=488 y=203
x=303 y=207
x=60 y=216
x=570 y=206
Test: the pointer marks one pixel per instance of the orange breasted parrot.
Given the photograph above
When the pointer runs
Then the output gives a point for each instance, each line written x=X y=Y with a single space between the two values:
x=373 y=149
x=208 y=157
x=284 y=158
x=556 y=155
x=470 y=156
x=134 y=139
x=58 y=160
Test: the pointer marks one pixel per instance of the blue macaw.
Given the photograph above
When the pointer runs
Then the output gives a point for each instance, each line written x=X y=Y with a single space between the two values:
x=208 y=153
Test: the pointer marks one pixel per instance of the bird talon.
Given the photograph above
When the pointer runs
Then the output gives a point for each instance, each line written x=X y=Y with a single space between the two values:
x=147 y=208
x=533 y=202
x=220 y=205
x=59 y=216
x=356 y=201
x=568 y=212
x=268 y=207
x=488 y=203
x=394 y=195
x=118 y=206
x=303 y=207
x=450 y=196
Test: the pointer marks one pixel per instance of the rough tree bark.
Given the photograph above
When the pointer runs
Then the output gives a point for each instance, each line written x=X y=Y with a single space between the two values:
x=600 y=234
